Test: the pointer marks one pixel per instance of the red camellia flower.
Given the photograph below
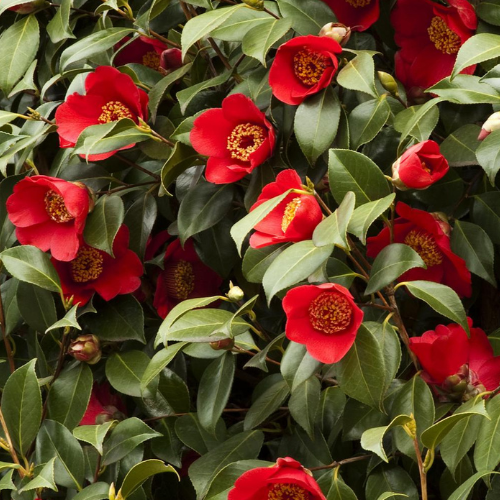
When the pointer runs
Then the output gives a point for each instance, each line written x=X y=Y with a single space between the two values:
x=237 y=138
x=420 y=166
x=359 y=15
x=50 y=214
x=302 y=67
x=149 y=52
x=95 y=271
x=103 y=406
x=110 y=96
x=294 y=219
x=324 y=318
x=184 y=276
x=430 y=35
x=458 y=364
x=287 y=480
x=429 y=237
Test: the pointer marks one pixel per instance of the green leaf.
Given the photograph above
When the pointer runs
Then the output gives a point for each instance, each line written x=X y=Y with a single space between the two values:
x=95 y=491
x=20 y=45
x=139 y=473
x=463 y=491
x=316 y=123
x=69 y=395
x=359 y=74
x=471 y=242
x=304 y=403
x=308 y=16
x=488 y=156
x=202 y=207
x=433 y=436
x=487 y=449
x=92 y=45
x=181 y=159
x=104 y=222
x=200 y=26
x=367 y=120
x=441 y=298
x=240 y=230
x=43 y=479
x=266 y=404
x=6 y=482
x=340 y=491
x=93 y=434
x=194 y=436
x=390 y=478
x=36 y=306
x=125 y=437
x=243 y=446
x=55 y=440
x=124 y=370
x=257 y=261
x=365 y=215
x=477 y=49
x=486 y=214
x=257 y=42
x=459 y=148
x=294 y=264
x=352 y=171
x=29 y=264
x=466 y=89
x=239 y=24
x=68 y=320
x=390 y=264
x=118 y=320
x=360 y=371
x=140 y=218
x=297 y=365
x=213 y=392
x=489 y=11
x=58 y=28
x=372 y=439
x=160 y=361
x=22 y=406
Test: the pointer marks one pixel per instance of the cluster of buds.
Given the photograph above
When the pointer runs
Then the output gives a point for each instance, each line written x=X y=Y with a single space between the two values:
x=462 y=386
x=336 y=31
x=490 y=125
x=86 y=348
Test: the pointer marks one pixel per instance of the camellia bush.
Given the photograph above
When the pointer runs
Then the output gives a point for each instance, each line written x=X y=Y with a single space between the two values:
x=247 y=249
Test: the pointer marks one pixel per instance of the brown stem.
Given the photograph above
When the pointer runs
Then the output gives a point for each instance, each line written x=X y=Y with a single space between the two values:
x=166 y=41
x=97 y=468
x=333 y=465
x=128 y=186
x=8 y=347
x=219 y=53
x=376 y=306
x=162 y=139
x=271 y=14
x=421 y=470
x=250 y=353
x=137 y=167
x=12 y=451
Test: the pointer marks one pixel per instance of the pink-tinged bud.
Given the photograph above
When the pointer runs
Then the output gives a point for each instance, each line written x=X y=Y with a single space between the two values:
x=222 y=345
x=490 y=125
x=170 y=60
x=28 y=7
x=336 y=31
x=442 y=219
x=86 y=348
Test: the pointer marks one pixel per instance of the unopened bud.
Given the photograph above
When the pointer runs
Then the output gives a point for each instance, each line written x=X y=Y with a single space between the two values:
x=112 y=492
x=336 y=31
x=442 y=219
x=86 y=348
x=395 y=176
x=388 y=82
x=411 y=428
x=235 y=293
x=255 y=4
x=490 y=125
x=170 y=60
x=222 y=345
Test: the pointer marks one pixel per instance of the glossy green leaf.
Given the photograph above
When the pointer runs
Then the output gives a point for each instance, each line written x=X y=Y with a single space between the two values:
x=160 y=361
x=58 y=28
x=124 y=370
x=93 y=434
x=308 y=16
x=36 y=306
x=297 y=365
x=43 y=478
x=304 y=403
x=359 y=74
x=466 y=89
x=68 y=320
x=487 y=449
x=477 y=49
x=367 y=120
x=463 y=491
x=488 y=156
x=95 y=491
x=257 y=261
x=140 y=218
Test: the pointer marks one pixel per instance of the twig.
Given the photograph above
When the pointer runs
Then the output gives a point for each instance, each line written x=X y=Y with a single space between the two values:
x=137 y=167
x=346 y=461
x=128 y=186
x=12 y=451
x=421 y=469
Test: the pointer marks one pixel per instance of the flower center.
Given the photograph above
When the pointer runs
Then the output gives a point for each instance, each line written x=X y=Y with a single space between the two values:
x=87 y=265
x=425 y=167
x=151 y=60
x=309 y=66
x=56 y=208
x=289 y=213
x=244 y=140
x=445 y=40
x=330 y=313
x=425 y=245
x=358 y=3
x=179 y=278
x=113 y=111
x=288 y=491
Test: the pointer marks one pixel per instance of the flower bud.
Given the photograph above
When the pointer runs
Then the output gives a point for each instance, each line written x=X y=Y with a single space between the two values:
x=170 y=60
x=388 y=82
x=490 y=125
x=112 y=492
x=108 y=414
x=235 y=293
x=222 y=345
x=255 y=4
x=86 y=348
x=336 y=31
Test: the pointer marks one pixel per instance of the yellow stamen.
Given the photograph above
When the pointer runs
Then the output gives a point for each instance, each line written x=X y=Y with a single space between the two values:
x=309 y=66
x=87 y=265
x=289 y=213
x=179 y=279
x=330 y=312
x=113 y=111
x=244 y=140
x=425 y=245
x=151 y=60
x=56 y=208
x=445 y=39
x=358 y=3
x=288 y=491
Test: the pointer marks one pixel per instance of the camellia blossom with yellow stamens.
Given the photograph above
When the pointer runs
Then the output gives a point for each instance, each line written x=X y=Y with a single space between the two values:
x=430 y=35
x=50 y=214
x=109 y=96
x=237 y=138
x=429 y=236
x=359 y=15
x=184 y=276
x=287 y=480
x=294 y=219
x=324 y=318
x=302 y=67
x=93 y=270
